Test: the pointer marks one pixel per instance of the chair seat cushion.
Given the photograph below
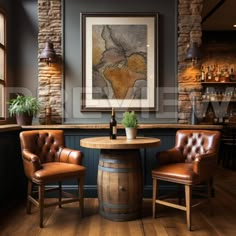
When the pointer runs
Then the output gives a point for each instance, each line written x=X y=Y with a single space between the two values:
x=178 y=172
x=56 y=171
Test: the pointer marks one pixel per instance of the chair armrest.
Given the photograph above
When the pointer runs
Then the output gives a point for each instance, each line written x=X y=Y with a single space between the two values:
x=31 y=162
x=69 y=155
x=172 y=155
x=205 y=165
x=29 y=156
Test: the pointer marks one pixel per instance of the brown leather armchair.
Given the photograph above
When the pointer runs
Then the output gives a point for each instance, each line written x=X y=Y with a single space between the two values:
x=46 y=160
x=192 y=161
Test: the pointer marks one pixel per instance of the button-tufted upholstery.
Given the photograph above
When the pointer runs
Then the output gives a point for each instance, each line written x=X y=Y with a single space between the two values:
x=47 y=160
x=191 y=161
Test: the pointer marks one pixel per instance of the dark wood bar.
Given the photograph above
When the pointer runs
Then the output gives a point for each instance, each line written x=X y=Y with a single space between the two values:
x=141 y=126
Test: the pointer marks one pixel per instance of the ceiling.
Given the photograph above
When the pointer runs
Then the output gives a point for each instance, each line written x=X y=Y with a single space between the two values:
x=219 y=15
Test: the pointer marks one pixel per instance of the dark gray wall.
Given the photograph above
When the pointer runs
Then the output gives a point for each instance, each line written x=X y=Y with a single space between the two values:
x=167 y=37
x=25 y=55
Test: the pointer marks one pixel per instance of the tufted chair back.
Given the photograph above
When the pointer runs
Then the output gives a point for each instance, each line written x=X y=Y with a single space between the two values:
x=192 y=143
x=45 y=144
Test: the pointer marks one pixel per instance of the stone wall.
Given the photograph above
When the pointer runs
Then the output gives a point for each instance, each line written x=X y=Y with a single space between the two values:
x=50 y=78
x=189 y=30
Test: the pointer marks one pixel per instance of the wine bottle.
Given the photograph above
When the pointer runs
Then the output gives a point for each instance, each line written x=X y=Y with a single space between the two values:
x=113 y=125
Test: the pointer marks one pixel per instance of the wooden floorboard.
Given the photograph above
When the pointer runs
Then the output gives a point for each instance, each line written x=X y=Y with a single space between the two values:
x=170 y=222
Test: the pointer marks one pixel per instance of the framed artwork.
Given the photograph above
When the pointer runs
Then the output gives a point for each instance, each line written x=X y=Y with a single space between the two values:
x=119 y=61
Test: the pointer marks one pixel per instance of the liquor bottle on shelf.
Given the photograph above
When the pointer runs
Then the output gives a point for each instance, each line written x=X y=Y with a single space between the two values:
x=221 y=117
x=202 y=74
x=232 y=75
x=226 y=118
x=210 y=116
x=208 y=75
x=217 y=73
x=113 y=125
x=227 y=75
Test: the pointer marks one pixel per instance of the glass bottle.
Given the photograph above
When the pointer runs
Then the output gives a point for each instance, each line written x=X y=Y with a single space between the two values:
x=113 y=125
x=232 y=75
x=202 y=74
x=227 y=75
x=208 y=75
x=217 y=73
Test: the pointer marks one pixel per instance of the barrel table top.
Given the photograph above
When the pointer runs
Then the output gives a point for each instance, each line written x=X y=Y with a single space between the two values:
x=121 y=142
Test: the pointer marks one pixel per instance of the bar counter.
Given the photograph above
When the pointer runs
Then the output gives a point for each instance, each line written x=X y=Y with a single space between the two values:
x=15 y=127
x=9 y=127
x=141 y=126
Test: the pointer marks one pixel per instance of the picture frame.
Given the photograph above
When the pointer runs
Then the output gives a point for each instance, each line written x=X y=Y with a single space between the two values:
x=119 y=61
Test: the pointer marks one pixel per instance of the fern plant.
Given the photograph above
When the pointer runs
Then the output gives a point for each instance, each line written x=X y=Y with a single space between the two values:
x=130 y=119
x=23 y=105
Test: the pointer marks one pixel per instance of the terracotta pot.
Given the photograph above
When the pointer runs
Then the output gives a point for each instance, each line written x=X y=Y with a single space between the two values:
x=24 y=119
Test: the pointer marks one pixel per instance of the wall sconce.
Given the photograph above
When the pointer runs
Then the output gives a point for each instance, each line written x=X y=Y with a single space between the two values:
x=193 y=52
x=48 y=54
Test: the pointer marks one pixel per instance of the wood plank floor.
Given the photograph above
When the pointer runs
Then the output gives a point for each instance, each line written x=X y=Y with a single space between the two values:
x=171 y=222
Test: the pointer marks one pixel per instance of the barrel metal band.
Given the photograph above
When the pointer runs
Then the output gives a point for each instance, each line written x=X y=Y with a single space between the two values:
x=117 y=206
x=112 y=161
x=117 y=170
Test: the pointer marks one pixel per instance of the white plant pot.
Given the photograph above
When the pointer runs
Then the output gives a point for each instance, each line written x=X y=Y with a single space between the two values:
x=131 y=133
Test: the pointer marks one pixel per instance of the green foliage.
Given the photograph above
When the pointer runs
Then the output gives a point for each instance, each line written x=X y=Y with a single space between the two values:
x=130 y=119
x=23 y=104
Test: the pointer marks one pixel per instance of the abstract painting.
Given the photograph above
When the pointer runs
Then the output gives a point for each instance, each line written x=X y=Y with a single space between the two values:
x=119 y=57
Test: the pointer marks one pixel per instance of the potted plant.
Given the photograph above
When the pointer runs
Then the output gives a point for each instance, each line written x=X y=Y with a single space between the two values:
x=130 y=123
x=24 y=108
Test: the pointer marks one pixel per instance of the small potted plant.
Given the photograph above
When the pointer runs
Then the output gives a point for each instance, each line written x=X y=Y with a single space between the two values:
x=130 y=123
x=24 y=108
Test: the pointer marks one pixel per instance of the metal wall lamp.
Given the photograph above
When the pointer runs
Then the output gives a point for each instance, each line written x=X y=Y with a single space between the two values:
x=48 y=54
x=193 y=52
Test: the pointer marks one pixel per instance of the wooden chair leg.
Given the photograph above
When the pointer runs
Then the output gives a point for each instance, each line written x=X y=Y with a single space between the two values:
x=59 y=194
x=209 y=195
x=212 y=190
x=29 y=193
x=188 y=196
x=154 y=195
x=179 y=194
x=41 y=204
x=81 y=195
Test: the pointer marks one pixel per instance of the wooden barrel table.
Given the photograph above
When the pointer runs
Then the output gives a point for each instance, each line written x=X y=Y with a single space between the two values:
x=120 y=187
x=119 y=179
